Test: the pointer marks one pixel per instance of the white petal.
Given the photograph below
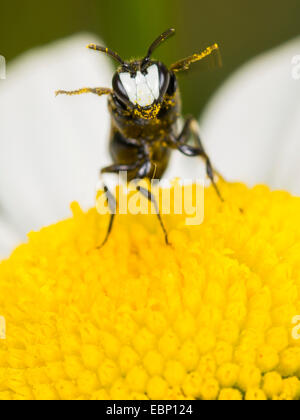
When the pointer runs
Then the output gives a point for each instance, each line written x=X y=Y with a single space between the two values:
x=251 y=128
x=8 y=238
x=188 y=169
x=52 y=148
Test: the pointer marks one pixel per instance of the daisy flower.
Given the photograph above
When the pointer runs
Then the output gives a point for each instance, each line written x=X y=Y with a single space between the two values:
x=214 y=316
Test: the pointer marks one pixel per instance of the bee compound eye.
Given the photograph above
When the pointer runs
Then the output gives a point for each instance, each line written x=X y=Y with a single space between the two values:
x=119 y=89
x=164 y=78
x=172 y=85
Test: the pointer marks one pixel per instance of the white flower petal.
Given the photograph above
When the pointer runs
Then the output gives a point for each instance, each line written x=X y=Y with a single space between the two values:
x=189 y=169
x=51 y=149
x=8 y=239
x=252 y=126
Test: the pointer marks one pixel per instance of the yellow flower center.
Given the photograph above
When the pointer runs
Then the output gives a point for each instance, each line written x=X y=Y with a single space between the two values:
x=214 y=316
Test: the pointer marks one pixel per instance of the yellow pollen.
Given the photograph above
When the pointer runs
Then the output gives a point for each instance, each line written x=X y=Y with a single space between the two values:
x=209 y=317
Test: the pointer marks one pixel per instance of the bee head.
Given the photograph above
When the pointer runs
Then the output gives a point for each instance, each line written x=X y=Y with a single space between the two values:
x=141 y=85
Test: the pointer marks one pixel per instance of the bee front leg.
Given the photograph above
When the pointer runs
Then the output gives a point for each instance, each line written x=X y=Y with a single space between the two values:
x=150 y=197
x=181 y=143
x=112 y=204
x=97 y=91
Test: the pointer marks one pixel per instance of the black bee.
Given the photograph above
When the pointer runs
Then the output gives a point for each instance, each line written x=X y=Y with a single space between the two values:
x=145 y=108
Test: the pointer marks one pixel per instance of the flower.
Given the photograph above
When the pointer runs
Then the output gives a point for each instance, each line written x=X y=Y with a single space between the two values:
x=52 y=148
x=209 y=317
x=252 y=124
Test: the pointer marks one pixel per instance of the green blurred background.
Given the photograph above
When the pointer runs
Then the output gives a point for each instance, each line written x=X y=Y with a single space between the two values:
x=242 y=28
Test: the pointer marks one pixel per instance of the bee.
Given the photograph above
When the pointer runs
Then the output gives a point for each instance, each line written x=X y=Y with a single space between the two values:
x=145 y=108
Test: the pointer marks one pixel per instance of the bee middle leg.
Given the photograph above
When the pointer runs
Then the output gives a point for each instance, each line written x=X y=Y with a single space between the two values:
x=191 y=128
x=150 y=197
x=143 y=168
x=144 y=172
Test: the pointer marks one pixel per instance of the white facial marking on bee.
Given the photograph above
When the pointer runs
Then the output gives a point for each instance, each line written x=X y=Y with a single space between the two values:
x=142 y=90
x=153 y=80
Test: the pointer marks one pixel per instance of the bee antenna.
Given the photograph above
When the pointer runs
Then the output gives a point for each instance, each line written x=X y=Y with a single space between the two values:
x=109 y=52
x=165 y=35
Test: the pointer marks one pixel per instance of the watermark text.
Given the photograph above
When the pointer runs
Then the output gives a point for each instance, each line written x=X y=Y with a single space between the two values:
x=170 y=197
x=296 y=329
x=2 y=328
x=296 y=67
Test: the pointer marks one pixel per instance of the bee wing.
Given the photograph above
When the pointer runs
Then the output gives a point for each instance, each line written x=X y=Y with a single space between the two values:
x=210 y=58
